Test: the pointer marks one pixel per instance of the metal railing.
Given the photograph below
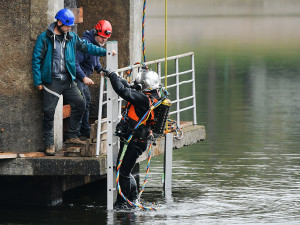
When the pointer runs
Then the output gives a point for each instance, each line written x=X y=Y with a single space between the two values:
x=178 y=100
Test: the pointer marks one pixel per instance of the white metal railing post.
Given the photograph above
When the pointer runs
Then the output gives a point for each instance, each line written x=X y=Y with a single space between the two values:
x=159 y=69
x=101 y=87
x=112 y=119
x=177 y=91
x=168 y=164
x=58 y=125
x=194 y=89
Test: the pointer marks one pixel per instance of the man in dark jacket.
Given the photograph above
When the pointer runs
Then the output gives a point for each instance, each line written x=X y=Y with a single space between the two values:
x=53 y=66
x=140 y=98
x=85 y=66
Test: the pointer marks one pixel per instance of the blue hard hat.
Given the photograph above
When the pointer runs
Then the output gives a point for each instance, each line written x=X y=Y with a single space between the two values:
x=66 y=17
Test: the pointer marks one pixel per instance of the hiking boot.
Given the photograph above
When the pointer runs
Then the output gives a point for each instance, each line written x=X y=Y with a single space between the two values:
x=75 y=140
x=50 y=150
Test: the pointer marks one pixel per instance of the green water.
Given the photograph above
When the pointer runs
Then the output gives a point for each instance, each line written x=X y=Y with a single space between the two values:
x=248 y=98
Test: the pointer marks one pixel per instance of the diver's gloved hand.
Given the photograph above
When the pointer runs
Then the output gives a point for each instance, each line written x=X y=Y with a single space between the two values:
x=136 y=86
x=145 y=67
x=106 y=72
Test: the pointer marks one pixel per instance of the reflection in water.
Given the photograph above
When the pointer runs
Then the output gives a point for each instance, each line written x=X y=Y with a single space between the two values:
x=231 y=187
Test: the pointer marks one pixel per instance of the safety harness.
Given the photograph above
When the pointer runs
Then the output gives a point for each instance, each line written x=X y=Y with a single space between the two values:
x=130 y=119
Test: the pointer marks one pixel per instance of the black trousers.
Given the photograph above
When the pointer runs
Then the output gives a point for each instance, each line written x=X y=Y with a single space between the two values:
x=127 y=181
x=84 y=126
x=72 y=95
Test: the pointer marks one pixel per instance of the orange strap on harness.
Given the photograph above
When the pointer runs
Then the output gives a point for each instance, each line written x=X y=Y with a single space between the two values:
x=132 y=114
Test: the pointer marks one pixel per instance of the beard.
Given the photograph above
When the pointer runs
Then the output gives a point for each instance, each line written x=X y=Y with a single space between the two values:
x=60 y=30
x=101 y=44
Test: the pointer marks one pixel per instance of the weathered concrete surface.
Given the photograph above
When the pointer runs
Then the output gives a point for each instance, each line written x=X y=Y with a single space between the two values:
x=53 y=166
x=20 y=120
x=42 y=13
x=192 y=135
x=17 y=94
x=71 y=4
x=108 y=9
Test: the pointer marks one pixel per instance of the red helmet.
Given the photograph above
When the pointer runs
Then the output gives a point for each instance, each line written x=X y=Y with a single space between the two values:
x=103 y=28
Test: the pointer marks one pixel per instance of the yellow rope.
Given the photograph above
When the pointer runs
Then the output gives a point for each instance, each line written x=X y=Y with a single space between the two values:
x=166 y=63
x=166 y=52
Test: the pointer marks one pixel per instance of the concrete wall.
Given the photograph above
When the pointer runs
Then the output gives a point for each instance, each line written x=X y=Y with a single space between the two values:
x=20 y=102
x=20 y=111
x=117 y=13
x=21 y=22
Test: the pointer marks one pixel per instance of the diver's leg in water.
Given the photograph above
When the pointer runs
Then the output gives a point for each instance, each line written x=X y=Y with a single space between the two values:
x=127 y=181
x=125 y=188
x=133 y=195
x=124 y=175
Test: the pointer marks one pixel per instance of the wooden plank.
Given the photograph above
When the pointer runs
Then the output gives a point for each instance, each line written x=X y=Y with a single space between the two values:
x=78 y=13
x=8 y=155
x=73 y=151
x=32 y=155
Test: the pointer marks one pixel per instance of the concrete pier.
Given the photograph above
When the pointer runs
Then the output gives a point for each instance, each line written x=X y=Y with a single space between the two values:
x=42 y=180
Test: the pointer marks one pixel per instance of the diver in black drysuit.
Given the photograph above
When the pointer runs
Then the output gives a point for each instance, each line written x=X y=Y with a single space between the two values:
x=139 y=141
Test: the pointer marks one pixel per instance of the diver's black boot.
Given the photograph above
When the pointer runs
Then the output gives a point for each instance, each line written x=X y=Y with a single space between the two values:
x=133 y=195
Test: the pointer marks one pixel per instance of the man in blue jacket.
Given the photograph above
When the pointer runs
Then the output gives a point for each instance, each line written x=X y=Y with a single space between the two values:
x=85 y=66
x=54 y=72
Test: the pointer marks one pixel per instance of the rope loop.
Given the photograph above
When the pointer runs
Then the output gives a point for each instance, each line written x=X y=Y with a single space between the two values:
x=172 y=126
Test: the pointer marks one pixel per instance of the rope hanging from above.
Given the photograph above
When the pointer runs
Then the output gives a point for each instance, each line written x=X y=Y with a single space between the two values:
x=143 y=31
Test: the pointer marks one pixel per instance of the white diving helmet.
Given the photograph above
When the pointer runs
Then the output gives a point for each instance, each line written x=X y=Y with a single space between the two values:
x=148 y=80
